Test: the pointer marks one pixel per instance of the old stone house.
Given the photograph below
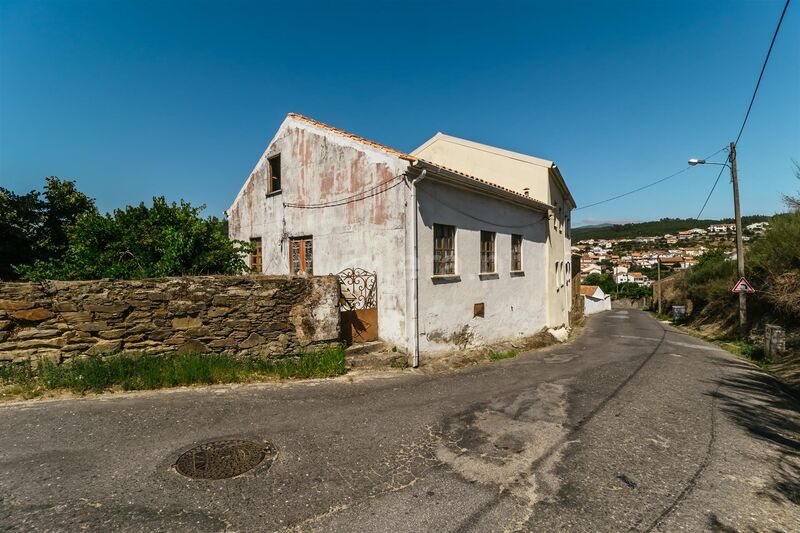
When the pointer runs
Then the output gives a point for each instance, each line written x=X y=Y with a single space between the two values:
x=451 y=245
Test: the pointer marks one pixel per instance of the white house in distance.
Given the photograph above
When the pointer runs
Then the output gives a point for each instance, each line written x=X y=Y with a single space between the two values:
x=594 y=299
x=453 y=245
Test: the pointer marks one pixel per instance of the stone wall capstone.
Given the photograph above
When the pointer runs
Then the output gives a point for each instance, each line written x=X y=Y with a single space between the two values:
x=250 y=315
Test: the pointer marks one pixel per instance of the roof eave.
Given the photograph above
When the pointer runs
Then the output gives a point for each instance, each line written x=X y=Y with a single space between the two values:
x=563 y=185
x=449 y=177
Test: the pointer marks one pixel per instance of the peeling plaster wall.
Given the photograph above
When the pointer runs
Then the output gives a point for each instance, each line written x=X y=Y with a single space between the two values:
x=515 y=306
x=559 y=251
x=318 y=165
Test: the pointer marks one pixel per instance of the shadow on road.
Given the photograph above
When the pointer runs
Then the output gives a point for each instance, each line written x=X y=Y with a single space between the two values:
x=757 y=402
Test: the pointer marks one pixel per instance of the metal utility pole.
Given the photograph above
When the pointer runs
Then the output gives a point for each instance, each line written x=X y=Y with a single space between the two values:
x=739 y=240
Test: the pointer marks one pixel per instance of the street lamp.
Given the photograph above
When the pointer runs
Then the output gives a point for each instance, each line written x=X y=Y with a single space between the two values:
x=738 y=215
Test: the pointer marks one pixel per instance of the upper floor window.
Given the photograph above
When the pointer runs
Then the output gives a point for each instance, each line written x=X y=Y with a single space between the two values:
x=487 y=252
x=274 y=182
x=516 y=253
x=444 y=250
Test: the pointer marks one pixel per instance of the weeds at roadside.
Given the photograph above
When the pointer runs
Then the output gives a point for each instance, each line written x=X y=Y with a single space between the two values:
x=494 y=356
x=142 y=372
x=746 y=350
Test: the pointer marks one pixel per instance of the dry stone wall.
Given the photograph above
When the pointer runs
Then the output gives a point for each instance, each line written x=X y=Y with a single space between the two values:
x=242 y=315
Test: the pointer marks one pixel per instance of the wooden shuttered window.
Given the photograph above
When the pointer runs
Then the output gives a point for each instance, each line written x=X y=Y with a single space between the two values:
x=487 y=252
x=444 y=250
x=301 y=255
x=256 y=261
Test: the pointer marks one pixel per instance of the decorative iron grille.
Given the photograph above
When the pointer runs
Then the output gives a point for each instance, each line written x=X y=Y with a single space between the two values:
x=358 y=289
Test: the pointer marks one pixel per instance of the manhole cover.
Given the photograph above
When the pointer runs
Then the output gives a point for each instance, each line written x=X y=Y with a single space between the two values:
x=223 y=459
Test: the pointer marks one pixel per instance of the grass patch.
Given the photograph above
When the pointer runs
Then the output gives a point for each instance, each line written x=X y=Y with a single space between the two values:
x=143 y=372
x=494 y=356
x=746 y=350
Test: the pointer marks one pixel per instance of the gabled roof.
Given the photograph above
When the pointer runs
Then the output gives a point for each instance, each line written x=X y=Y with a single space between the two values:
x=421 y=163
x=352 y=136
x=589 y=290
x=486 y=148
x=550 y=165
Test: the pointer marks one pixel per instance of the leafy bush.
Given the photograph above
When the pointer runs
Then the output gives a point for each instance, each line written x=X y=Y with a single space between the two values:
x=34 y=226
x=142 y=242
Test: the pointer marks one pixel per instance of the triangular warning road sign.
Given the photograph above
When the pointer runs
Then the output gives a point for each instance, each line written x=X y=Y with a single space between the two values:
x=743 y=286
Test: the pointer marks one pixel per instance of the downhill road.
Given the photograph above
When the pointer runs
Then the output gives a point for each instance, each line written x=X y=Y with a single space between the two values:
x=632 y=426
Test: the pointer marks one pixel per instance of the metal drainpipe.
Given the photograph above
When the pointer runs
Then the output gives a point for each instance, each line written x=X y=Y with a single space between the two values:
x=415 y=273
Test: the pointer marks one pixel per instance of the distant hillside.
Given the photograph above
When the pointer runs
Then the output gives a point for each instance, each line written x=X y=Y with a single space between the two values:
x=654 y=228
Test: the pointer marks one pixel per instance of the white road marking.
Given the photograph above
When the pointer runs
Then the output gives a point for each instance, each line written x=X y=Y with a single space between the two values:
x=637 y=337
x=695 y=346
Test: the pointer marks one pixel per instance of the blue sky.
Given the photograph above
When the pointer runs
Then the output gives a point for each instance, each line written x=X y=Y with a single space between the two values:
x=138 y=99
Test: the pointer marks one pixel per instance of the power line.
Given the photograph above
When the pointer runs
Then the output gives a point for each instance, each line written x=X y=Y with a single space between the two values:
x=473 y=217
x=617 y=197
x=761 y=75
x=750 y=106
x=357 y=197
x=721 y=170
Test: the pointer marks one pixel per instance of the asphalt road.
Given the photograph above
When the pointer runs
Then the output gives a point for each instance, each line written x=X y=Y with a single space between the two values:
x=632 y=426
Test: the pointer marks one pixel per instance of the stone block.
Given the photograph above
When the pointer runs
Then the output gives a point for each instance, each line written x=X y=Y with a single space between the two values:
x=157 y=296
x=159 y=334
x=177 y=340
x=107 y=308
x=186 y=323
x=198 y=332
x=15 y=305
x=238 y=324
x=193 y=346
x=65 y=307
x=105 y=347
x=34 y=333
x=41 y=343
x=215 y=312
x=76 y=317
x=75 y=347
x=253 y=340
x=222 y=343
x=5 y=325
x=143 y=327
x=92 y=326
x=37 y=314
x=112 y=334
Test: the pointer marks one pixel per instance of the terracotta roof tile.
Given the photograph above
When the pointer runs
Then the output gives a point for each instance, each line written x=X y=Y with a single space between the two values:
x=588 y=290
x=353 y=136
x=481 y=180
x=404 y=155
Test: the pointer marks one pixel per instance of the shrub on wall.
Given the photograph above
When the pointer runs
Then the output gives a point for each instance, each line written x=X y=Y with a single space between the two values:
x=166 y=239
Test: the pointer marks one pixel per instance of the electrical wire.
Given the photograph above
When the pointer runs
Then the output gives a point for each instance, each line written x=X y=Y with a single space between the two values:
x=357 y=197
x=473 y=217
x=617 y=197
x=721 y=170
x=763 y=68
x=750 y=106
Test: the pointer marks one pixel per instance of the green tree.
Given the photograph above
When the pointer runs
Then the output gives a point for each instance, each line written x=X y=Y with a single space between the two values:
x=167 y=239
x=34 y=226
x=605 y=281
x=20 y=221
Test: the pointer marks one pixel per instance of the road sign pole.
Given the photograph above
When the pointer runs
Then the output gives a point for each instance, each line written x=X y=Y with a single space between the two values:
x=739 y=240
